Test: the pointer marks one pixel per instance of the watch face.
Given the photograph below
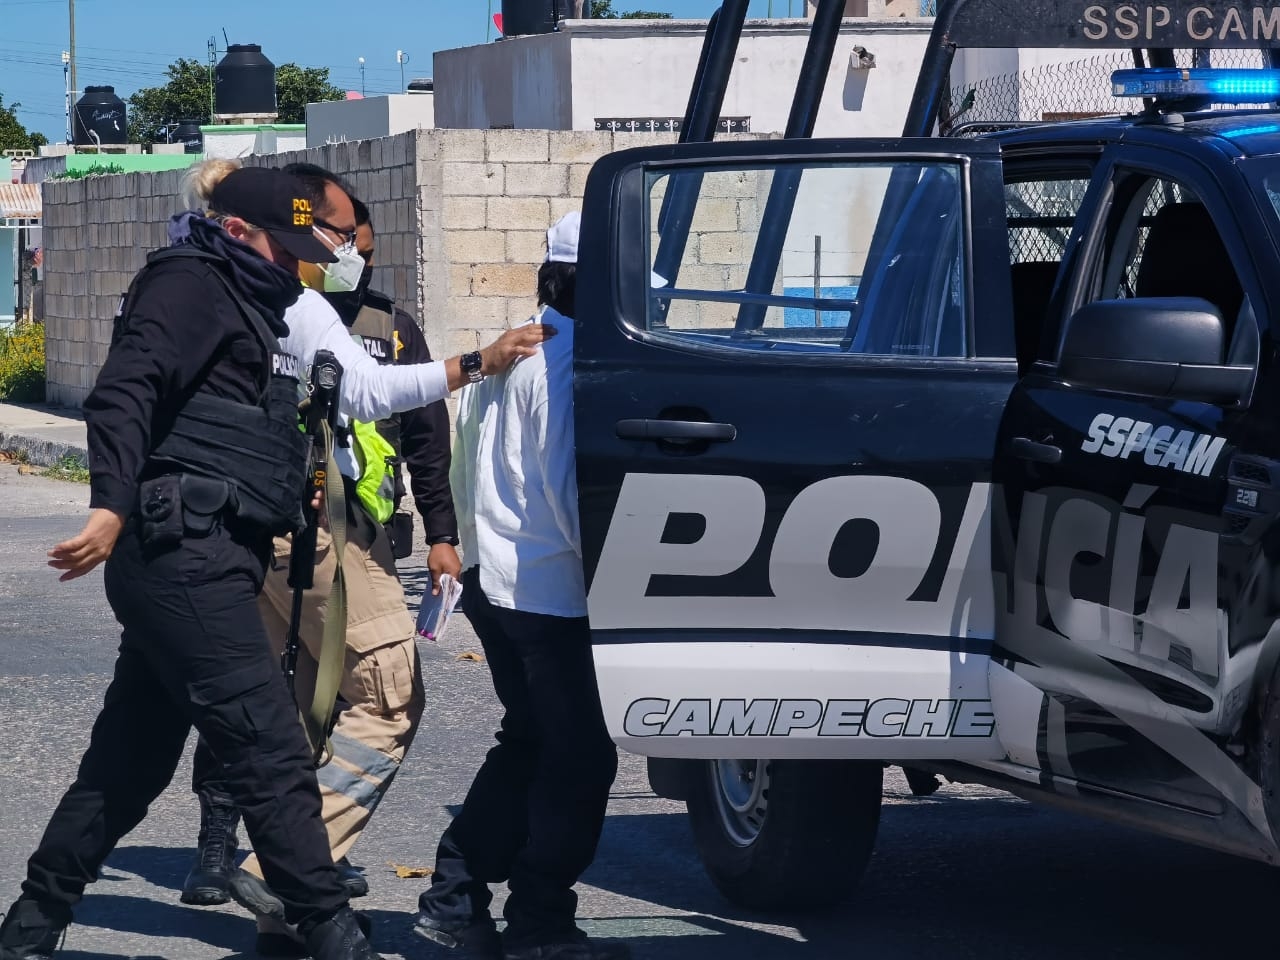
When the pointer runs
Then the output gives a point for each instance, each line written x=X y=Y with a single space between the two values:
x=471 y=364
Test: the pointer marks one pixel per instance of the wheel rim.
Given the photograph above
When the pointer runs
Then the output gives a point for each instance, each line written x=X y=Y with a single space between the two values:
x=741 y=789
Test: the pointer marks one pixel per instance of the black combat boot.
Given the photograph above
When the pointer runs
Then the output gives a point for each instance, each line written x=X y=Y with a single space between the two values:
x=352 y=878
x=207 y=883
x=256 y=897
x=338 y=938
x=277 y=939
x=31 y=932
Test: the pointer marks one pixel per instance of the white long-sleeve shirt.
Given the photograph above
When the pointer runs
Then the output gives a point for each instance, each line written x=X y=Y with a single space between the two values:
x=369 y=390
x=515 y=485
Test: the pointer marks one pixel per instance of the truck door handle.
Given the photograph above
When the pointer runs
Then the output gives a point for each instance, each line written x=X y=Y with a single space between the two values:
x=676 y=430
x=1026 y=449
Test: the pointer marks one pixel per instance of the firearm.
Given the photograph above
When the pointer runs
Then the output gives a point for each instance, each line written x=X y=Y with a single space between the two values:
x=319 y=409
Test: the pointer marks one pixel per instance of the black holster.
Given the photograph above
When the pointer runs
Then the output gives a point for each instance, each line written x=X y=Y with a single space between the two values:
x=400 y=530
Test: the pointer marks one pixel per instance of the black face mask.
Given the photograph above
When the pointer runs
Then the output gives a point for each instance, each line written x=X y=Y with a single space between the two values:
x=348 y=304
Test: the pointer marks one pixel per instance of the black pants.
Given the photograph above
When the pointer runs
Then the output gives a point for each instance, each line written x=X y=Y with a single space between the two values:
x=535 y=810
x=193 y=652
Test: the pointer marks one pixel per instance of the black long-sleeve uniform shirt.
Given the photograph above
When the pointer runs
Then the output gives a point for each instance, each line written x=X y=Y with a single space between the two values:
x=424 y=442
x=184 y=334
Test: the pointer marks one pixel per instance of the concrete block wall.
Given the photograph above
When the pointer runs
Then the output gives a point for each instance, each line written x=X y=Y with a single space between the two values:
x=100 y=229
x=384 y=175
x=499 y=192
x=97 y=232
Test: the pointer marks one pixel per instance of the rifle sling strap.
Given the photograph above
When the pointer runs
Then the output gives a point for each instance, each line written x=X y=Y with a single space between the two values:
x=316 y=719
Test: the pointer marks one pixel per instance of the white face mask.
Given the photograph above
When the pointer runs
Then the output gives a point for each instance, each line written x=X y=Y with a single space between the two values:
x=343 y=276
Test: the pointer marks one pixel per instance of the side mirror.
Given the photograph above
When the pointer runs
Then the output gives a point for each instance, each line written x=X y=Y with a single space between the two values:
x=1158 y=346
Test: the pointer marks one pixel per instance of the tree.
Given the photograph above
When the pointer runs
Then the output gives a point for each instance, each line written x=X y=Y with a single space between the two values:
x=186 y=97
x=297 y=86
x=603 y=10
x=13 y=135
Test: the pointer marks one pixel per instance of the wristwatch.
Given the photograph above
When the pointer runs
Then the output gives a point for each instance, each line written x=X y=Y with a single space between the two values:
x=471 y=363
x=450 y=540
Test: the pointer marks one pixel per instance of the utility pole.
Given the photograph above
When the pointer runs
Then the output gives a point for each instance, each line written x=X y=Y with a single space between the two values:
x=71 y=8
x=401 y=58
x=66 y=83
x=361 y=76
x=213 y=60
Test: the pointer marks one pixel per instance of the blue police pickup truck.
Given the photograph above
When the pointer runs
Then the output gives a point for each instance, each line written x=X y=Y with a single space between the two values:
x=954 y=453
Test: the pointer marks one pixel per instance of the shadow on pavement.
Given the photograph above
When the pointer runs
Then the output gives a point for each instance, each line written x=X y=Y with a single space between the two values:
x=162 y=866
x=158 y=918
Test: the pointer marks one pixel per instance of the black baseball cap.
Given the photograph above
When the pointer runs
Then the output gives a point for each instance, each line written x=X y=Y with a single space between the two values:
x=277 y=202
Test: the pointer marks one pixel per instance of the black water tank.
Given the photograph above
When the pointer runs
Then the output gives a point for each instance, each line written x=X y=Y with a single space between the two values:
x=245 y=82
x=523 y=17
x=188 y=134
x=99 y=112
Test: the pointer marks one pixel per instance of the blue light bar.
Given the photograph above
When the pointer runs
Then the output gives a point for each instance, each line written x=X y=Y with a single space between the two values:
x=1220 y=86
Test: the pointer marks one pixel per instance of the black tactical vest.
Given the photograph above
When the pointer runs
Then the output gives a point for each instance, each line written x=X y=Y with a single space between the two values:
x=374 y=328
x=258 y=449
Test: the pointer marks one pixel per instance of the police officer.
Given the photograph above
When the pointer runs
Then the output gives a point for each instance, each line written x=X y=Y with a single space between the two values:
x=196 y=461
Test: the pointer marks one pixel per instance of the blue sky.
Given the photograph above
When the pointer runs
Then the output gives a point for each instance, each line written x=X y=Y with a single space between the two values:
x=128 y=43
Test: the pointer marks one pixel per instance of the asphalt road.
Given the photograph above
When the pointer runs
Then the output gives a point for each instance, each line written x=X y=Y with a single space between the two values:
x=969 y=872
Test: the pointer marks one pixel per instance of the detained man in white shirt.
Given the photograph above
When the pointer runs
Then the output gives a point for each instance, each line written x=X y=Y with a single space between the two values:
x=535 y=810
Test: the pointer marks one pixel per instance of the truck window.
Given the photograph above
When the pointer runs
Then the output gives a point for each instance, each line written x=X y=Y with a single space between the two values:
x=1041 y=211
x=1162 y=241
x=1167 y=245
x=873 y=261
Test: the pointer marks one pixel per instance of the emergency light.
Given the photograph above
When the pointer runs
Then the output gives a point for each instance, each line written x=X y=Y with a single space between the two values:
x=1220 y=86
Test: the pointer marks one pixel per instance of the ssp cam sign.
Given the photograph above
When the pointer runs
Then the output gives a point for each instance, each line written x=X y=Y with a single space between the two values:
x=1080 y=23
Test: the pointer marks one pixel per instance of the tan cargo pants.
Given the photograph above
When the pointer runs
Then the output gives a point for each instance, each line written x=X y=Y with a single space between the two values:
x=381 y=682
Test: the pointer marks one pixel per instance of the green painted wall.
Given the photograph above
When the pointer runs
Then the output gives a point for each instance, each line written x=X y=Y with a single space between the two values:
x=254 y=127
x=134 y=162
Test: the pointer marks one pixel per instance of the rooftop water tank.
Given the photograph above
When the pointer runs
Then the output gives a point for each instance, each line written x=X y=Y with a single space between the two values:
x=188 y=134
x=523 y=17
x=99 y=117
x=245 y=82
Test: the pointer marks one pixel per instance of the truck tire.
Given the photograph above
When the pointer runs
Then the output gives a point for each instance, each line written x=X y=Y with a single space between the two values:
x=785 y=835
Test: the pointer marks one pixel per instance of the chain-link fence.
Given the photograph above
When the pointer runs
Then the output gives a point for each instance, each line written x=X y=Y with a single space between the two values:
x=1061 y=91
x=1041 y=213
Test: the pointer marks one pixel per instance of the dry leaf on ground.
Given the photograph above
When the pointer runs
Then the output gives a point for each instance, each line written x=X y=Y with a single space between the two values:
x=408 y=873
x=469 y=655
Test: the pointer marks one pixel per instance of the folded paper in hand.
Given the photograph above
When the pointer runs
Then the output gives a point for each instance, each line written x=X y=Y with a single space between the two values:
x=435 y=610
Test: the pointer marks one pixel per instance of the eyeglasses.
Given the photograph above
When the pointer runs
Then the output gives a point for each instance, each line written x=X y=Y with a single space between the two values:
x=347 y=238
